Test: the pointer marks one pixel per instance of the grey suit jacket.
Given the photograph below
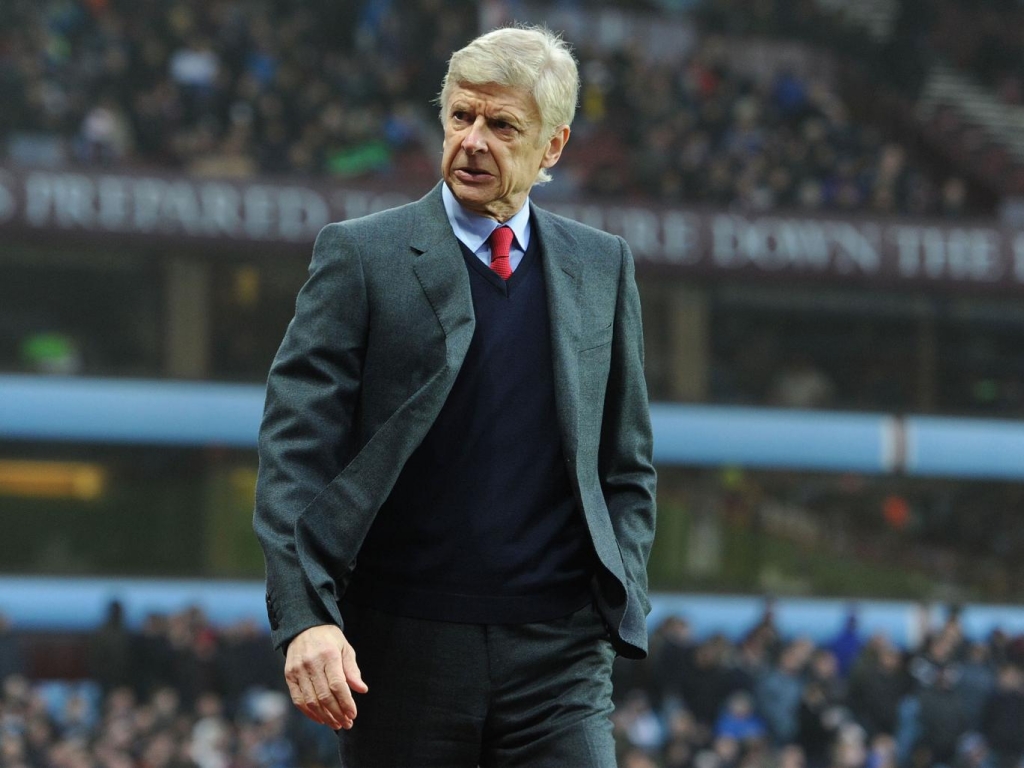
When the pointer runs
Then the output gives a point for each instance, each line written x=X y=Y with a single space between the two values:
x=381 y=328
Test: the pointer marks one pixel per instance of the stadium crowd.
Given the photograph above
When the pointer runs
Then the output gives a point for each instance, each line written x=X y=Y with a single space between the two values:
x=179 y=693
x=850 y=702
x=184 y=694
x=702 y=132
x=243 y=87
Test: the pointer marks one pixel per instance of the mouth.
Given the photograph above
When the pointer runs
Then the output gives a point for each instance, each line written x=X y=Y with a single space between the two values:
x=471 y=174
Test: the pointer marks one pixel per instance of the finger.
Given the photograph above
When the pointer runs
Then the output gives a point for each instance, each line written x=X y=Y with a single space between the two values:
x=330 y=693
x=352 y=674
x=295 y=691
x=340 y=690
x=312 y=706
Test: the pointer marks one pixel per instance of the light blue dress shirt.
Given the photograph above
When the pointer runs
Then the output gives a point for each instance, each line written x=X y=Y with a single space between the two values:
x=473 y=229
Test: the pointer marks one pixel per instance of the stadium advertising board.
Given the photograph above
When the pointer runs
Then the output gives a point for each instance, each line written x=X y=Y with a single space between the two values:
x=694 y=241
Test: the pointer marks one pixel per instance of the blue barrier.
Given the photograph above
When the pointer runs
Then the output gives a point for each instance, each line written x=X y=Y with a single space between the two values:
x=202 y=414
x=975 y=448
x=129 y=411
x=772 y=438
x=80 y=604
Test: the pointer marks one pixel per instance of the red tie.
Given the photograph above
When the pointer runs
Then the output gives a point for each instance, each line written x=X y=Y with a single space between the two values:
x=501 y=241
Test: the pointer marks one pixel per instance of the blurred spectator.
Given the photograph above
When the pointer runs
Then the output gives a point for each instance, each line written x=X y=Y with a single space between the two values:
x=739 y=720
x=850 y=750
x=977 y=683
x=111 y=650
x=847 y=645
x=105 y=136
x=638 y=723
x=151 y=655
x=877 y=686
x=12 y=660
x=791 y=756
x=818 y=722
x=973 y=752
x=637 y=758
x=1002 y=720
x=673 y=662
x=779 y=692
x=712 y=680
x=942 y=718
x=823 y=669
x=882 y=752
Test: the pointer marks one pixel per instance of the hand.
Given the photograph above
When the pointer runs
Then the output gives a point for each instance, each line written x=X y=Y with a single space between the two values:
x=321 y=671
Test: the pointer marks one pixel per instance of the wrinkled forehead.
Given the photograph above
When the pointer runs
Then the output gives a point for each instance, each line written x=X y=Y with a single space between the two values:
x=494 y=96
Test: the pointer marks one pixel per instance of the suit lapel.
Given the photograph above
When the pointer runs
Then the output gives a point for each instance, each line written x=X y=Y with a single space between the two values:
x=441 y=271
x=562 y=269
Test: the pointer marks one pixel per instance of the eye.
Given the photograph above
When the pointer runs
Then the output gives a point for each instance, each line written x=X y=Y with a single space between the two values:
x=504 y=127
x=460 y=116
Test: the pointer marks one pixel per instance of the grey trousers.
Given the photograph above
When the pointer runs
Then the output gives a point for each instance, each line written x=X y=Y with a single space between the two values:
x=445 y=695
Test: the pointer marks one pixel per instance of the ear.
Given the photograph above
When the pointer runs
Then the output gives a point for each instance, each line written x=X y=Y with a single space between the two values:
x=556 y=144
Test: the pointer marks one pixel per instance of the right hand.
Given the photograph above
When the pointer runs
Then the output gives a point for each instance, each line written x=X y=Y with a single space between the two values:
x=321 y=671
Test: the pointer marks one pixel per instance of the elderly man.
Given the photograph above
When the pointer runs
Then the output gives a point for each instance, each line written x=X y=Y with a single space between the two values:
x=455 y=457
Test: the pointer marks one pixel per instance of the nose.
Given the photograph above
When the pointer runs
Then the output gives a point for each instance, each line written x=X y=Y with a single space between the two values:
x=475 y=141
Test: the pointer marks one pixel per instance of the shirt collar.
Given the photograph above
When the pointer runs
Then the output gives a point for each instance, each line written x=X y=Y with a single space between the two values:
x=473 y=229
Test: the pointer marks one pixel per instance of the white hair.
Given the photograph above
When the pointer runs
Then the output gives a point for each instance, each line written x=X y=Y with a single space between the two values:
x=534 y=59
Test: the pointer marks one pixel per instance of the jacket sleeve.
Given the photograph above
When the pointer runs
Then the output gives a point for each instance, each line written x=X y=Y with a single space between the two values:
x=308 y=432
x=625 y=459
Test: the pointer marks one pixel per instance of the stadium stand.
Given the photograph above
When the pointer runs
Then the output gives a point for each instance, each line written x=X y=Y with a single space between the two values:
x=750 y=116
x=780 y=123
x=982 y=39
x=852 y=701
x=240 y=88
x=183 y=693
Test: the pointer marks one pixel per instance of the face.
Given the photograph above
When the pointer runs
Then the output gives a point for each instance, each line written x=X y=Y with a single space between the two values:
x=494 y=146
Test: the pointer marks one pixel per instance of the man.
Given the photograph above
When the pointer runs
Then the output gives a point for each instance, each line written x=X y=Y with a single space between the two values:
x=455 y=457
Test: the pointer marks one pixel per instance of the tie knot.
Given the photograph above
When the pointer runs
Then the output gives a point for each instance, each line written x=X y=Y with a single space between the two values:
x=501 y=242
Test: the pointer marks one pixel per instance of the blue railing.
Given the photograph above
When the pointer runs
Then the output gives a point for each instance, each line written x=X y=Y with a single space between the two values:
x=200 y=414
x=80 y=604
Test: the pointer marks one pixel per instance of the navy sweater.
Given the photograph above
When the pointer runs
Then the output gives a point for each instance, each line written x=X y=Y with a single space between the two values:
x=482 y=525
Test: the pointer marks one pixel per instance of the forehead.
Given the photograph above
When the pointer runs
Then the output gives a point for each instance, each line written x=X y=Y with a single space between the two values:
x=492 y=97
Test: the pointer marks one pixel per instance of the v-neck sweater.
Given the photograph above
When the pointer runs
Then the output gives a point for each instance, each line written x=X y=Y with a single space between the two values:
x=482 y=525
